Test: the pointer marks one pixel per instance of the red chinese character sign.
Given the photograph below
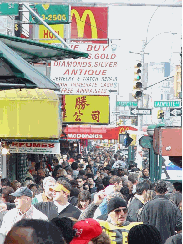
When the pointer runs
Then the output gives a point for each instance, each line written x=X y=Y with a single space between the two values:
x=86 y=109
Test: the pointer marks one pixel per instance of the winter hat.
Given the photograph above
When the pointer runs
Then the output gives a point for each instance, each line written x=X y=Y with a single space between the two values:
x=116 y=202
x=86 y=230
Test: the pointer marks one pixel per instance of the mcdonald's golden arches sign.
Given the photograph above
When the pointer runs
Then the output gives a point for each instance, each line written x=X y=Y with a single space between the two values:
x=89 y=23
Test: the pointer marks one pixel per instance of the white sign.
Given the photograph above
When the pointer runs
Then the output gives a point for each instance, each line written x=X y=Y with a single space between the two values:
x=34 y=147
x=95 y=75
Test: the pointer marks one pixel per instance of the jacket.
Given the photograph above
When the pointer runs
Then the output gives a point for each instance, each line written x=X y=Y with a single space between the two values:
x=164 y=215
x=135 y=205
x=176 y=239
x=51 y=210
x=14 y=215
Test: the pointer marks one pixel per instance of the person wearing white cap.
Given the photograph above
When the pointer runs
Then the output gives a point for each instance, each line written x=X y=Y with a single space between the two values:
x=24 y=209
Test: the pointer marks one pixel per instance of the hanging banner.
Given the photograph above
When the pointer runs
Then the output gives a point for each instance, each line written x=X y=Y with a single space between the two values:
x=33 y=147
x=96 y=75
x=89 y=23
x=86 y=109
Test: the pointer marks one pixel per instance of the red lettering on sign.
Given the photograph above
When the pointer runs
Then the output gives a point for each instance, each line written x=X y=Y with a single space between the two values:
x=51 y=145
x=36 y=145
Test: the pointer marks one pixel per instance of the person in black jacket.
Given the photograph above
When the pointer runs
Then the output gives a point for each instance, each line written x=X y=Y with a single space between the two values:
x=162 y=213
x=60 y=207
x=138 y=200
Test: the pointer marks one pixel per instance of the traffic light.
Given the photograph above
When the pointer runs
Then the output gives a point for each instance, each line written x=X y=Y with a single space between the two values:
x=138 y=84
x=160 y=114
x=127 y=140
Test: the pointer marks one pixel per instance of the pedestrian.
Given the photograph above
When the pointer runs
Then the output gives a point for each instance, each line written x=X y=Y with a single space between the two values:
x=60 y=206
x=46 y=195
x=65 y=224
x=116 y=226
x=80 y=181
x=6 y=197
x=144 y=234
x=34 y=231
x=24 y=209
x=89 y=231
x=138 y=200
x=162 y=213
x=84 y=199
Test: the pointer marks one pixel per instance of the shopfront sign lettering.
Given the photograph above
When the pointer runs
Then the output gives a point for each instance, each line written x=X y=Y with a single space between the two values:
x=33 y=147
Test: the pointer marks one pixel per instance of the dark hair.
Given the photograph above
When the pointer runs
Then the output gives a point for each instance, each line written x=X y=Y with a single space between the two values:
x=90 y=176
x=43 y=231
x=74 y=165
x=100 y=187
x=84 y=196
x=144 y=234
x=115 y=155
x=125 y=192
x=178 y=186
x=140 y=187
x=88 y=166
x=6 y=191
x=74 y=192
x=106 y=181
x=79 y=177
x=133 y=177
x=81 y=172
x=54 y=173
x=73 y=183
x=65 y=224
x=5 y=182
x=115 y=179
x=161 y=186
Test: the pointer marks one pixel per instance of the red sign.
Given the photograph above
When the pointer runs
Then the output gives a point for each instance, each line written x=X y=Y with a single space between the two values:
x=89 y=23
x=98 y=133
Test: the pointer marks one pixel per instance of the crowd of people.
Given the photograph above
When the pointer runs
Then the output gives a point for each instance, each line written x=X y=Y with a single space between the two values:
x=99 y=198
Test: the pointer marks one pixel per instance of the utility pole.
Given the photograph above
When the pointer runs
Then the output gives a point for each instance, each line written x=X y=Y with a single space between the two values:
x=140 y=99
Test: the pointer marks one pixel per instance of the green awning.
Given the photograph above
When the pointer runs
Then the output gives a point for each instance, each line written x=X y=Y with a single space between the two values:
x=35 y=52
x=15 y=72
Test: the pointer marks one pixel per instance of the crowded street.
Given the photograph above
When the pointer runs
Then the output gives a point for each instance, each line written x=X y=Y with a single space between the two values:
x=90 y=122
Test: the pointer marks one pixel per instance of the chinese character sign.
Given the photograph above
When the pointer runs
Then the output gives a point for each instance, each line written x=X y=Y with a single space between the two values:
x=86 y=109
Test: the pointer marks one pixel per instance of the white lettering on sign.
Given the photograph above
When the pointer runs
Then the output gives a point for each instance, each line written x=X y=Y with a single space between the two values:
x=99 y=68
x=85 y=136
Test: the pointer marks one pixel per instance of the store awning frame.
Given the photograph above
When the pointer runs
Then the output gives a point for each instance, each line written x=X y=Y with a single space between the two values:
x=33 y=51
x=15 y=72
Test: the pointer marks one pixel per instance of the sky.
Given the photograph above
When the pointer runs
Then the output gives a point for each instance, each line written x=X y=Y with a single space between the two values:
x=129 y=26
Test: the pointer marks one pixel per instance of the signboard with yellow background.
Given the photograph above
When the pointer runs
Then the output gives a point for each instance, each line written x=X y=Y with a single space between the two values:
x=44 y=33
x=86 y=109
